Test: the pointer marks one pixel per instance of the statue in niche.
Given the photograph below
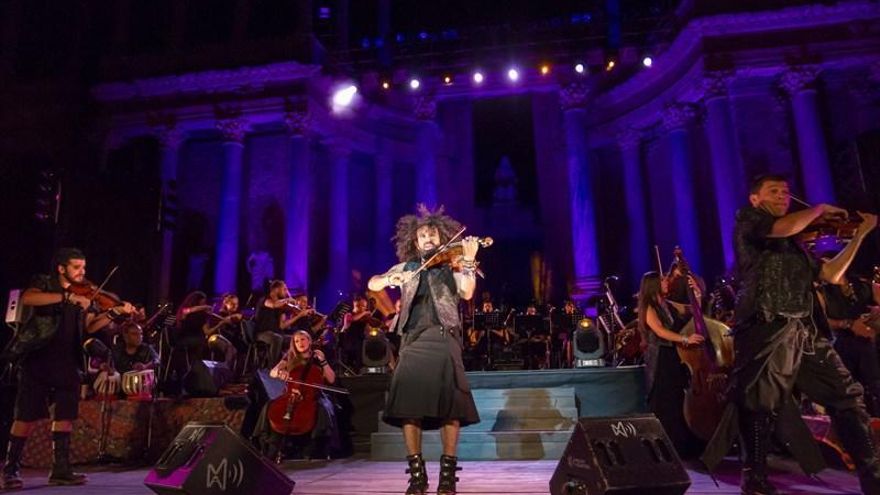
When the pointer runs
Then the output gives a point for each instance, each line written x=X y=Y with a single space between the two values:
x=261 y=266
x=505 y=183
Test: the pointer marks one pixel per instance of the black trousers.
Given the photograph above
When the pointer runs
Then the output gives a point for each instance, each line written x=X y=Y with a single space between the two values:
x=859 y=355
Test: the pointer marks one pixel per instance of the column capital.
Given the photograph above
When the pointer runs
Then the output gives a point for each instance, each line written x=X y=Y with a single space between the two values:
x=233 y=130
x=628 y=138
x=170 y=137
x=715 y=83
x=425 y=107
x=297 y=122
x=573 y=95
x=799 y=78
x=678 y=115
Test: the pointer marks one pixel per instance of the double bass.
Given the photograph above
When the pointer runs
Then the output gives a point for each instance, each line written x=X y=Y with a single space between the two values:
x=708 y=363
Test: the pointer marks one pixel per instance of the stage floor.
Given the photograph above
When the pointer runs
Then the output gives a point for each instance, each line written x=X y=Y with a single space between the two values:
x=360 y=476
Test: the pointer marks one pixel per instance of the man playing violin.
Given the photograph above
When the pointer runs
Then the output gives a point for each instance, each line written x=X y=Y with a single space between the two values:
x=273 y=318
x=305 y=317
x=778 y=347
x=429 y=389
x=49 y=347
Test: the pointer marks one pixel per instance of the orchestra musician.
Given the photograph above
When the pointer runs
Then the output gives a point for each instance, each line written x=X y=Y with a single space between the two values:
x=429 y=389
x=850 y=305
x=224 y=330
x=306 y=317
x=666 y=377
x=565 y=324
x=354 y=330
x=48 y=346
x=189 y=334
x=779 y=348
x=273 y=318
x=295 y=364
x=131 y=353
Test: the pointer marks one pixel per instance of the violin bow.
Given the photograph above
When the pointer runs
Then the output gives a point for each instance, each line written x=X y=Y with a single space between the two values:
x=442 y=248
x=320 y=387
x=659 y=263
x=101 y=287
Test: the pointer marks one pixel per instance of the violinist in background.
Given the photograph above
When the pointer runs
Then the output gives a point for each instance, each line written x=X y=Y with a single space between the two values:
x=779 y=347
x=192 y=326
x=273 y=318
x=296 y=364
x=565 y=323
x=353 y=332
x=848 y=306
x=429 y=389
x=48 y=345
x=306 y=317
x=224 y=330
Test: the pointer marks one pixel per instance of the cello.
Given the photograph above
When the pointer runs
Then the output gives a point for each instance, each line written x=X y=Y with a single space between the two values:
x=708 y=363
x=295 y=412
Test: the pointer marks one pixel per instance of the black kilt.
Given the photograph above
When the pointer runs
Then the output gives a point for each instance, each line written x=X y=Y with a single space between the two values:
x=429 y=384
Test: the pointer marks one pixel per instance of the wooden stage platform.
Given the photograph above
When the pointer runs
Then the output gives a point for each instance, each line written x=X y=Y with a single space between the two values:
x=355 y=476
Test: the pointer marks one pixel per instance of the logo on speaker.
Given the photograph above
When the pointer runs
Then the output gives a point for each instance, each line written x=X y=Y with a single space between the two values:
x=624 y=430
x=224 y=473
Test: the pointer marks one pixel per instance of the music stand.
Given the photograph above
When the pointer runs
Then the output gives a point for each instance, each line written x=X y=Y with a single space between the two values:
x=487 y=322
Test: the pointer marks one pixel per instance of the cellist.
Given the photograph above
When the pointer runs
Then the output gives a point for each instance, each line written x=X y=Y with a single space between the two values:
x=666 y=377
x=298 y=357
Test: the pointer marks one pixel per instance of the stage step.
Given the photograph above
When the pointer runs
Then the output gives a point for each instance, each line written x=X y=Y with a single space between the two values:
x=524 y=423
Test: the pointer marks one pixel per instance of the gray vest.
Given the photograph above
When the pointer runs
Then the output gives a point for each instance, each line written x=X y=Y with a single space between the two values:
x=444 y=294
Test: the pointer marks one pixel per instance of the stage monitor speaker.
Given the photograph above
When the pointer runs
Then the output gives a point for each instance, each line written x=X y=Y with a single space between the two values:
x=206 y=378
x=208 y=459
x=625 y=455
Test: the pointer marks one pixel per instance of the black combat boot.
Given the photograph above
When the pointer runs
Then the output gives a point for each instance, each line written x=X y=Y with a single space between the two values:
x=61 y=473
x=854 y=431
x=448 y=469
x=418 y=475
x=755 y=429
x=12 y=470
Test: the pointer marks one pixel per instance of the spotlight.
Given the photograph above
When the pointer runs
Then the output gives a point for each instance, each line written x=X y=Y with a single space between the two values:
x=375 y=353
x=610 y=65
x=647 y=61
x=513 y=75
x=344 y=96
x=478 y=77
x=447 y=80
x=588 y=345
x=414 y=84
x=545 y=69
x=386 y=85
x=579 y=68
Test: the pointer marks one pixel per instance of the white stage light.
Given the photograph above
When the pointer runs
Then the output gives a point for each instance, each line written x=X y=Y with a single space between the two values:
x=513 y=75
x=478 y=77
x=344 y=96
x=647 y=61
x=579 y=68
x=414 y=84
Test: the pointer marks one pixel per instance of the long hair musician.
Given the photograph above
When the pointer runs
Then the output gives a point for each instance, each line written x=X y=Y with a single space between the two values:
x=665 y=376
x=429 y=388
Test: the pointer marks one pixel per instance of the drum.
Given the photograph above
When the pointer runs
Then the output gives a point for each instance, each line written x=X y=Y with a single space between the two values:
x=139 y=385
x=628 y=342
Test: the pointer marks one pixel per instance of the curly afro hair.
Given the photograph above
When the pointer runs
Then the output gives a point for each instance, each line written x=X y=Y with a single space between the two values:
x=405 y=234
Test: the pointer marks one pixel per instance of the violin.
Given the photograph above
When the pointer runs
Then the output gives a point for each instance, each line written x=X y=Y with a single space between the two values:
x=828 y=233
x=452 y=254
x=104 y=299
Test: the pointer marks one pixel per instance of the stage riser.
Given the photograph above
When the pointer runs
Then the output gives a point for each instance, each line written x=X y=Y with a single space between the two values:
x=520 y=424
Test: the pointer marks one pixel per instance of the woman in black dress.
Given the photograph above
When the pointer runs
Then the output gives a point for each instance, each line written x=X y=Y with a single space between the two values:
x=429 y=389
x=666 y=377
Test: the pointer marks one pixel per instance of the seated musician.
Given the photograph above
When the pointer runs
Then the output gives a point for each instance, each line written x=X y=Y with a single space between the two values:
x=354 y=330
x=564 y=324
x=295 y=364
x=501 y=335
x=189 y=333
x=306 y=317
x=131 y=353
x=224 y=332
x=537 y=340
x=273 y=318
